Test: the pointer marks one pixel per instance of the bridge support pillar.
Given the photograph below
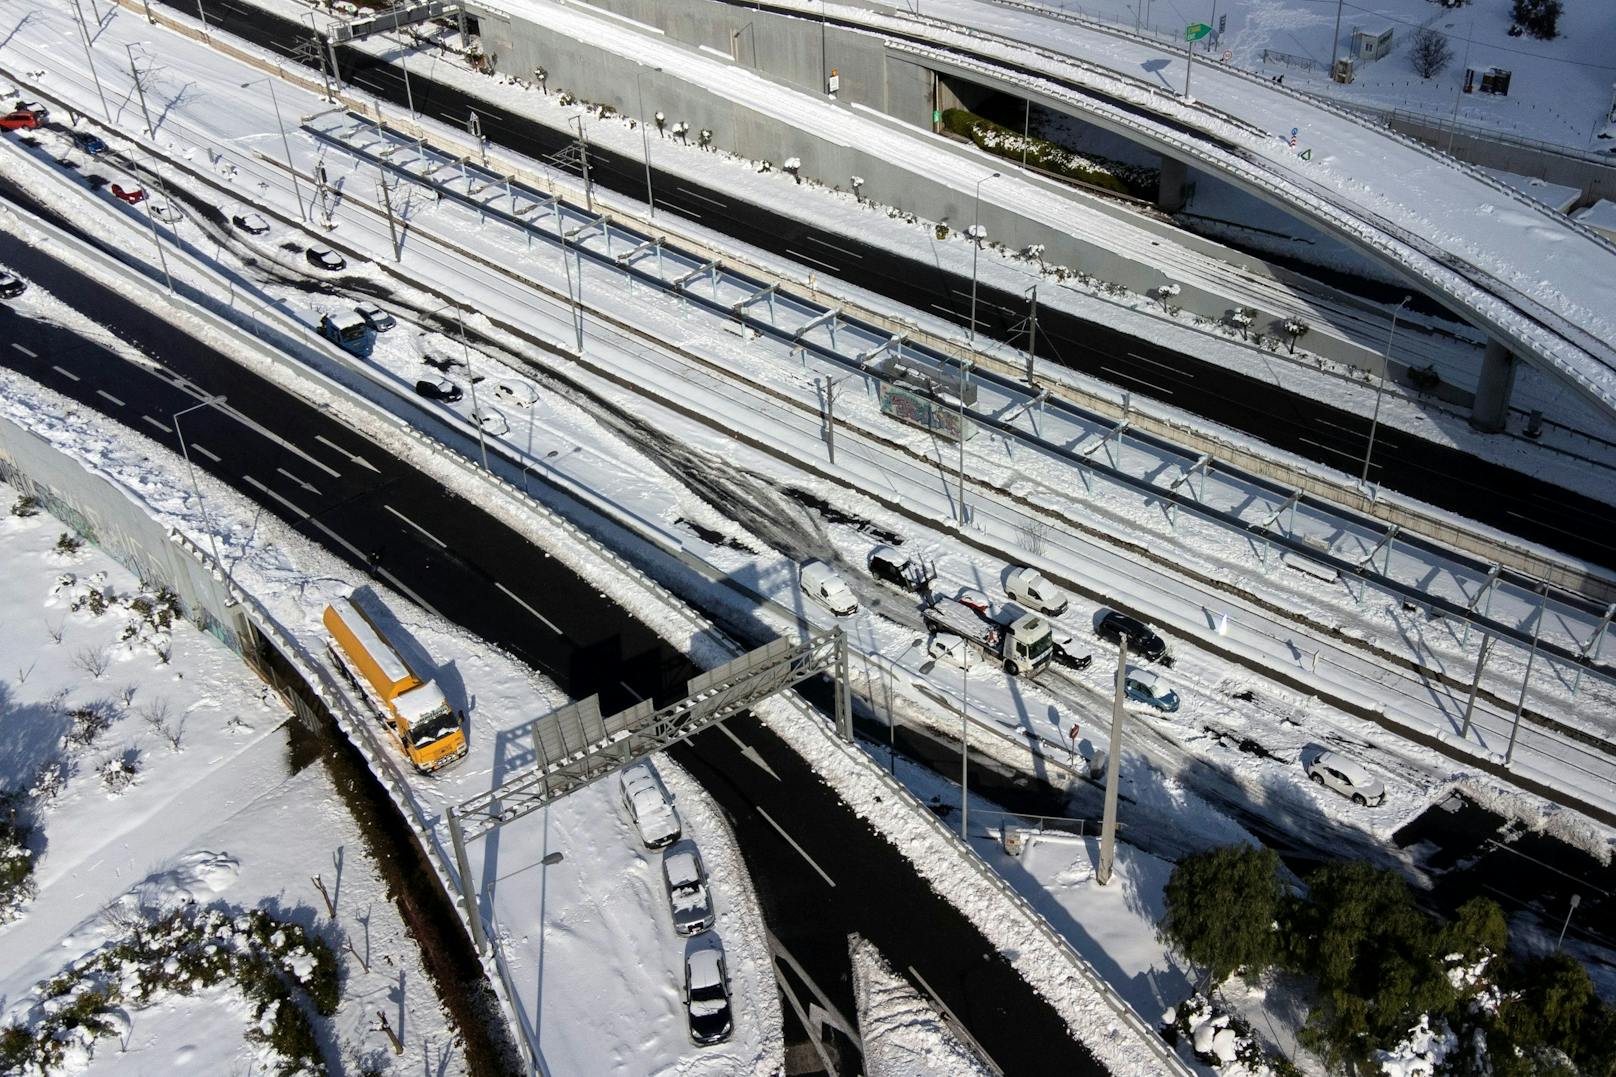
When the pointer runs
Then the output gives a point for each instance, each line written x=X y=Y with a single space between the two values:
x=1493 y=388
x=1170 y=195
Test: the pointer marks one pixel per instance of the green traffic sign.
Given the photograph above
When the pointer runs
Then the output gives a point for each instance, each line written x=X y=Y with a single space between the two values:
x=1196 y=30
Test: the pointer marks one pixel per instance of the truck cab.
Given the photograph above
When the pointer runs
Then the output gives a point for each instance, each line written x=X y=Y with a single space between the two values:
x=1028 y=645
x=350 y=332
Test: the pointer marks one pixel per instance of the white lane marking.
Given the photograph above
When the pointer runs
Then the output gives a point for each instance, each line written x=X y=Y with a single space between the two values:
x=681 y=210
x=261 y=487
x=747 y=751
x=27 y=352
x=793 y=843
x=360 y=460
x=1136 y=378
x=704 y=198
x=514 y=597
x=109 y=396
x=1157 y=362
x=832 y=246
x=350 y=547
x=164 y=427
x=958 y=1025
x=637 y=697
x=811 y=258
x=205 y=452
x=265 y=432
x=64 y=373
x=417 y=526
x=304 y=483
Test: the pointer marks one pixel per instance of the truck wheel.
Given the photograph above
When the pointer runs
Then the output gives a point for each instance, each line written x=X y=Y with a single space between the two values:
x=1009 y=667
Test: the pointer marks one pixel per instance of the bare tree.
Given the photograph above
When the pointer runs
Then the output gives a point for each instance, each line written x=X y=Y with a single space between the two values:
x=1430 y=52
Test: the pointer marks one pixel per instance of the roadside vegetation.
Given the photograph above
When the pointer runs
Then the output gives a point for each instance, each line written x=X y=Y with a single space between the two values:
x=1003 y=142
x=1390 y=982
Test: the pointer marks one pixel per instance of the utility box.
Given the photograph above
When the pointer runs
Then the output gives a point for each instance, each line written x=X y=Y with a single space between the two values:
x=1345 y=70
x=1494 y=80
x=1369 y=46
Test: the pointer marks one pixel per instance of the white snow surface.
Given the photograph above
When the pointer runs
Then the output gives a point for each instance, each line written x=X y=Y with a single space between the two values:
x=901 y=1031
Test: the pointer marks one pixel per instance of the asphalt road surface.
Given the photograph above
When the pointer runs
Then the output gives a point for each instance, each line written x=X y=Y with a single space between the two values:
x=821 y=872
x=1519 y=504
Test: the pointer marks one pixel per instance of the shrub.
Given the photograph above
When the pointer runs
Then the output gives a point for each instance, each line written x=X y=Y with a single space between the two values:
x=88 y=725
x=1429 y=52
x=1221 y=906
x=25 y=506
x=1540 y=18
x=1003 y=142
x=68 y=544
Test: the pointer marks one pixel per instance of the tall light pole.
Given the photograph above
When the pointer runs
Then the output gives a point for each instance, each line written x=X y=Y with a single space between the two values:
x=1113 y=769
x=84 y=36
x=285 y=144
x=824 y=71
x=964 y=380
x=465 y=351
x=1374 y=424
x=583 y=159
x=207 y=522
x=139 y=89
x=976 y=245
x=151 y=219
x=404 y=62
x=645 y=140
x=1335 y=42
x=1576 y=899
x=965 y=749
x=319 y=52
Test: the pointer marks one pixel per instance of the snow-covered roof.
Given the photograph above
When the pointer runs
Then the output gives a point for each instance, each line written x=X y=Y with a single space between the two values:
x=346 y=319
x=421 y=703
x=1554 y=195
x=386 y=659
x=1600 y=215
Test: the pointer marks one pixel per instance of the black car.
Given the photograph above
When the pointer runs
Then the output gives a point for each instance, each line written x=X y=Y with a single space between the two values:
x=1142 y=641
x=326 y=259
x=441 y=389
x=707 y=997
x=251 y=223
x=11 y=285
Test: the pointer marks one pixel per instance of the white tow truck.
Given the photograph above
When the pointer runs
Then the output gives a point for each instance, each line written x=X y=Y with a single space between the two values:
x=1025 y=645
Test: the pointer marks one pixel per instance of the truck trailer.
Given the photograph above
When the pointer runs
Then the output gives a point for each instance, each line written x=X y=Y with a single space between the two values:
x=415 y=710
x=1025 y=645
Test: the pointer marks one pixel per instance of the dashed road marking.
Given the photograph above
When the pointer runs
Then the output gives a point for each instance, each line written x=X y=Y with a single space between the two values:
x=800 y=851
x=66 y=373
x=512 y=595
x=109 y=396
x=164 y=427
x=417 y=526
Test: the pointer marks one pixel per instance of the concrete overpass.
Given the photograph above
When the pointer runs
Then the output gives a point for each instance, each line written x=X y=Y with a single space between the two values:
x=1535 y=282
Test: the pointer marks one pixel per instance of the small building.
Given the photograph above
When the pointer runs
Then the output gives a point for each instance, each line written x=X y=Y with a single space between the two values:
x=1554 y=195
x=1601 y=217
x=1370 y=45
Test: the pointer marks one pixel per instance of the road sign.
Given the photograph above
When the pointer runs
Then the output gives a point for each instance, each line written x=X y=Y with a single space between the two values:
x=1196 y=30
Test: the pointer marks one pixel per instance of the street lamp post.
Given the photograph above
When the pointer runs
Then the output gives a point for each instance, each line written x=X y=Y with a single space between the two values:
x=151 y=219
x=207 y=522
x=964 y=380
x=645 y=141
x=1576 y=899
x=976 y=245
x=404 y=62
x=583 y=159
x=285 y=143
x=965 y=751
x=1374 y=423
x=465 y=352
x=140 y=89
x=84 y=36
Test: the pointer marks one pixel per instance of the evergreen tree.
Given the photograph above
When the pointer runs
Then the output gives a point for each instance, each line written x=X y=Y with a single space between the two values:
x=1221 y=906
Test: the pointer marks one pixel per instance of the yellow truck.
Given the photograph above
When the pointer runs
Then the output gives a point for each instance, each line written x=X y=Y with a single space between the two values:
x=415 y=710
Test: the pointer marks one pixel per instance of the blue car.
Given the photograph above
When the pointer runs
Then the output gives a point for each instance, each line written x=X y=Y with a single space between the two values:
x=1144 y=686
x=89 y=143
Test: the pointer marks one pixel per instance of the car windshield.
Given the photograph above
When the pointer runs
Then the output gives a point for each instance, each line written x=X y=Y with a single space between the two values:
x=354 y=332
x=434 y=728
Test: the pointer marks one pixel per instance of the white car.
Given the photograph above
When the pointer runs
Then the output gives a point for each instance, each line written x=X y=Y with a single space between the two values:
x=1029 y=587
x=686 y=881
x=166 y=213
x=952 y=649
x=519 y=393
x=822 y=585
x=649 y=805
x=1347 y=777
x=491 y=420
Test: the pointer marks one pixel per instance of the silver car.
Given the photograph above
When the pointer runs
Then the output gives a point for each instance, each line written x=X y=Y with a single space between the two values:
x=1346 y=777
x=649 y=805
x=686 y=880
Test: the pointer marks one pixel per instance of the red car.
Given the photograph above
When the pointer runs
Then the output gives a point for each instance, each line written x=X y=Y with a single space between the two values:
x=134 y=196
x=21 y=119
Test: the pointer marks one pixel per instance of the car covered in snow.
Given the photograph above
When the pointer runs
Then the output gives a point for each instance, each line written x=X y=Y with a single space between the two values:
x=890 y=565
x=326 y=259
x=1347 y=777
x=977 y=600
x=820 y=583
x=707 y=997
x=377 y=318
x=167 y=213
x=946 y=647
x=686 y=882
x=1147 y=687
x=252 y=223
x=11 y=285
x=1067 y=652
x=648 y=804
x=439 y=389
x=492 y=420
x=1142 y=640
x=1030 y=588
x=519 y=393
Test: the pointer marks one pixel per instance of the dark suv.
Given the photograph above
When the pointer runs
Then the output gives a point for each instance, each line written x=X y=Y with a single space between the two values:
x=1142 y=641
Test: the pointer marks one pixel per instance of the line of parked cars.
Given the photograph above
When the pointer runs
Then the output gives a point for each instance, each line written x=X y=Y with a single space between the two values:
x=690 y=904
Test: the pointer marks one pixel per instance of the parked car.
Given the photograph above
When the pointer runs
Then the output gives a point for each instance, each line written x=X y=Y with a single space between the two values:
x=11 y=285
x=1335 y=771
x=1067 y=652
x=378 y=319
x=889 y=565
x=648 y=805
x=439 y=389
x=133 y=195
x=492 y=420
x=686 y=880
x=821 y=584
x=519 y=393
x=251 y=223
x=1145 y=686
x=326 y=259
x=41 y=113
x=1029 y=587
x=1142 y=641
x=977 y=600
x=168 y=213
x=707 y=997
x=90 y=144
x=952 y=649
x=19 y=120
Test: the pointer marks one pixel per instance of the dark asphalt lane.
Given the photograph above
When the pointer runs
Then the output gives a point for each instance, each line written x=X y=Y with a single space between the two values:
x=473 y=570
x=1519 y=504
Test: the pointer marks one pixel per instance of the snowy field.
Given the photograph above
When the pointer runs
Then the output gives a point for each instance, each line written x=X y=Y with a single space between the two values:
x=212 y=813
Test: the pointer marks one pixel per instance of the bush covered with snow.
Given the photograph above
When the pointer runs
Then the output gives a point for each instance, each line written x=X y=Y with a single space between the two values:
x=270 y=961
x=16 y=862
x=1003 y=142
x=1221 y=1040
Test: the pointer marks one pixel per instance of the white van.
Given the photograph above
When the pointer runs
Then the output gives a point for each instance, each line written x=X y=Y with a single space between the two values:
x=822 y=585
x=1029 y=587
